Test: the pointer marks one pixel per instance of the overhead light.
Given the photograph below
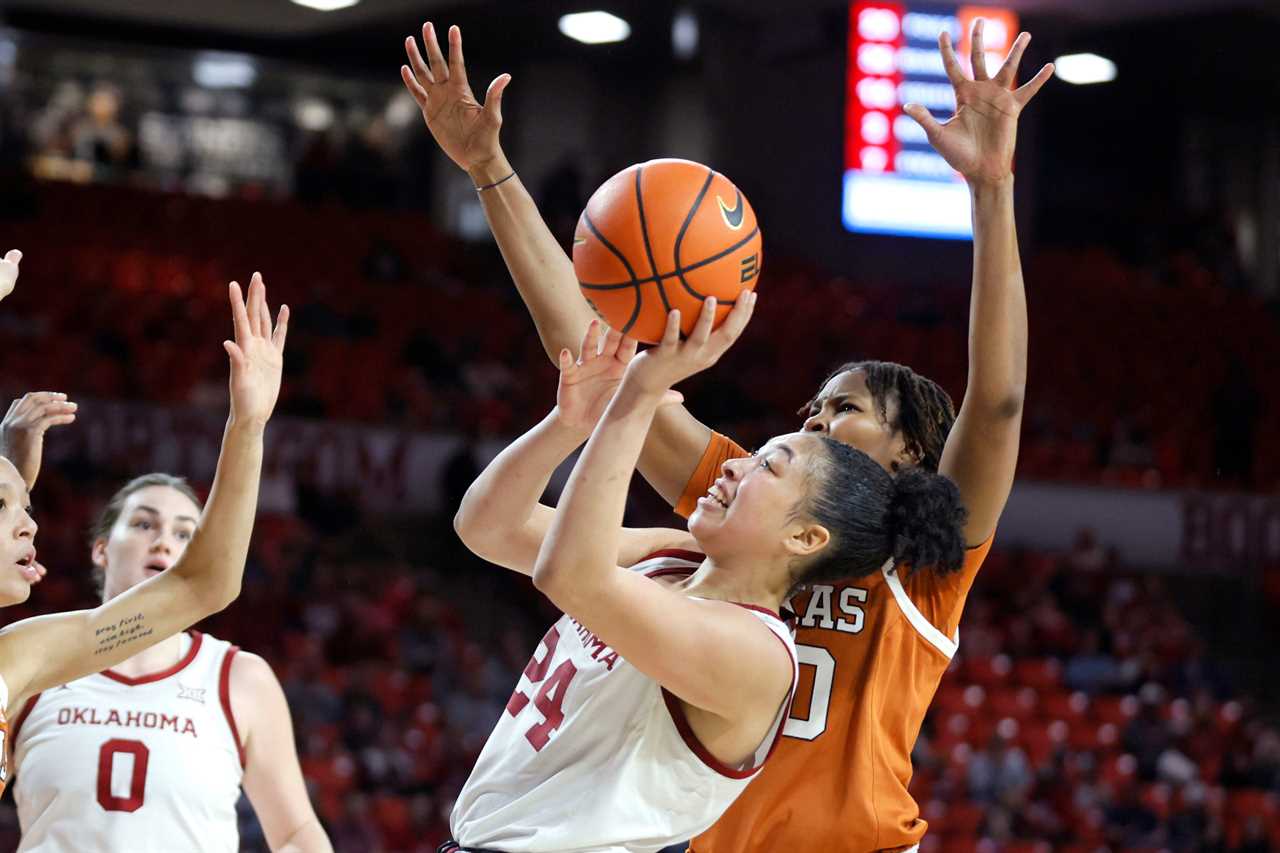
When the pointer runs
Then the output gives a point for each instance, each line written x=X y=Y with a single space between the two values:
x=224 y=71
x=593 y=27
x=1084 y=68
x=326 y=5
x=684 y=34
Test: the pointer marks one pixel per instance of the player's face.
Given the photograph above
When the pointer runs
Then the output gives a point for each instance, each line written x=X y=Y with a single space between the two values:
x=751 y=508
x=150 y=535
x=846 y=411
x=18 y=531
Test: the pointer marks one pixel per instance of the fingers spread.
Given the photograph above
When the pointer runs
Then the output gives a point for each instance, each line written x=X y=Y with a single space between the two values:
x=1028 y=90
x=493 y=97
x=236 y=354
x=282 y=328
x=949 y=62
x=239 y=314
x=977 y=55
x=925 y=119
x=457 y=67
x=420 y=69
x=1008 y=73
x=419 y=94
x=439 y=70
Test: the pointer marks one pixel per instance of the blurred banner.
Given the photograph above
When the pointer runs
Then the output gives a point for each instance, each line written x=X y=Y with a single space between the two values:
x=388 y=470
x=1185 y=532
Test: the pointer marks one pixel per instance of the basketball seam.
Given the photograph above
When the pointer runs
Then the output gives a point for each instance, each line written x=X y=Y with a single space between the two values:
x=619 y=285
x=688 y=220
x=634 y=283
x=648 y=250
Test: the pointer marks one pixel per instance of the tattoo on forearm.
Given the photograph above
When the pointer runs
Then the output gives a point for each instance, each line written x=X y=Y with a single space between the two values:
x=128 y=630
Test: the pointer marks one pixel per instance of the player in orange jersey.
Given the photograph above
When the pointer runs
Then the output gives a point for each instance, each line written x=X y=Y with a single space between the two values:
x=875 y=646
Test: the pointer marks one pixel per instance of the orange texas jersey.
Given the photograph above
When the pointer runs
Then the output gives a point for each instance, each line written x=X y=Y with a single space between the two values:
x=871 y=651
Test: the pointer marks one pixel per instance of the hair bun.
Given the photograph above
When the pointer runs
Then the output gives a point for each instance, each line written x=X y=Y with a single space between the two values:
x=926 y=522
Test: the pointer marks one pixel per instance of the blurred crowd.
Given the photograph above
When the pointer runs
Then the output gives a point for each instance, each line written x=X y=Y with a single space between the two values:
x=1135 y=380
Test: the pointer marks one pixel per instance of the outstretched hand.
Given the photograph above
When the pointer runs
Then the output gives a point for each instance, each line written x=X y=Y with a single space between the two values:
x=24 y=425
x=658 y=368
x=9 y=272
x=257 y=353
x=588 y=384
x=979 y=140
x=464 y=128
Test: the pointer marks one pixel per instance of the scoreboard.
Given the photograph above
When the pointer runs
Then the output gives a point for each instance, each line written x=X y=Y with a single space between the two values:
x=894 y=182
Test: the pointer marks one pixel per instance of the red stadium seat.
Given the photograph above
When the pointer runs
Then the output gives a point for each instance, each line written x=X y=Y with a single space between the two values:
x=1040 y=673
x=988 y=672
x=1117 y=710
x=1063 y=705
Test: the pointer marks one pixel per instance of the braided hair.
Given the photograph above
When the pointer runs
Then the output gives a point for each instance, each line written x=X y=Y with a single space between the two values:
x=925 y=412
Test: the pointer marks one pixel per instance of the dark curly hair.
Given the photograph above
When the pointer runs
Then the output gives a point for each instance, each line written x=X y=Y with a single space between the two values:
x=925 y=411
x=915 y=517
x=101 y=528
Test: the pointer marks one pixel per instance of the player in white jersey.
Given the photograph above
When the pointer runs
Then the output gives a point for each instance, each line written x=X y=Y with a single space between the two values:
x=652 y=703
x=43 y=652
x=104 y=763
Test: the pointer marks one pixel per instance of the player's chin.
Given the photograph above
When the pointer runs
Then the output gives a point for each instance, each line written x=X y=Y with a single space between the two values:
x=700 y=521
x=14 y=587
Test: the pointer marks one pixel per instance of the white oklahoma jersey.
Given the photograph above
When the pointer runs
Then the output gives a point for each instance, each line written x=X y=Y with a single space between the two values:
x=145 y=765
x=593 y=755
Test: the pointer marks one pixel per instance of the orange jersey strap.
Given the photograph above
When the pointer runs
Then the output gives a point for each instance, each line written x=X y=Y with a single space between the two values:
x=720 y=449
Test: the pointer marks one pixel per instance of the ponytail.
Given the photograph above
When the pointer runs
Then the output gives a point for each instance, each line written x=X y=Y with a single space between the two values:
x=916 y=518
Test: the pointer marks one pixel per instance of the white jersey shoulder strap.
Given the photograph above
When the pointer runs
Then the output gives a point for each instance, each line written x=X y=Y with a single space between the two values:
x=947 y=645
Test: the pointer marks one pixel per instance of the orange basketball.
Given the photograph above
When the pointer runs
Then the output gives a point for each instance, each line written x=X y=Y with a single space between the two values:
x=660 y=235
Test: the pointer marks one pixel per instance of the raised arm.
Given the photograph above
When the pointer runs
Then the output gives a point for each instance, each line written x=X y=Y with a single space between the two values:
x=981 y=453
x=42 y=652
x=468 y=132
x=713 y=655
x=500 y=518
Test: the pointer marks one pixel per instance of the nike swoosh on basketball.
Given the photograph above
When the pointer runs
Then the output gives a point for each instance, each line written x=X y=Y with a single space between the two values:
x=732 y=216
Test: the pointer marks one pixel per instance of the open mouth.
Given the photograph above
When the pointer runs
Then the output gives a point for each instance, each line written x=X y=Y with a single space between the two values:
x=716 y=495
x=156 y=566
x=27 y=565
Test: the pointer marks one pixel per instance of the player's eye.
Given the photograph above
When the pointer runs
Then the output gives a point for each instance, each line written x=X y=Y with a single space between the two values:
x=142 y=524
x=184 y=534
x=3 y=504
x=849 y=407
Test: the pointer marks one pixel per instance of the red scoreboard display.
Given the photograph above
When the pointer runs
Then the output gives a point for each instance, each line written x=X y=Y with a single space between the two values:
x=894 y=182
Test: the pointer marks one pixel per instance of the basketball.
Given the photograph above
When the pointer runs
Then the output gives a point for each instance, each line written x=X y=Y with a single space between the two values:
x=661 y=235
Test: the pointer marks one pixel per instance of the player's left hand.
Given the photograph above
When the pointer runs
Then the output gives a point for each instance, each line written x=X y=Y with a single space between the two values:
x=588 y=384
x=9 y=272
x=979 y=140
x=24 y=425
x=658 y=368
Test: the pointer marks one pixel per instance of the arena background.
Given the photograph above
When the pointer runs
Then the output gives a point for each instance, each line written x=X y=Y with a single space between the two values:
x=1115 y=687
